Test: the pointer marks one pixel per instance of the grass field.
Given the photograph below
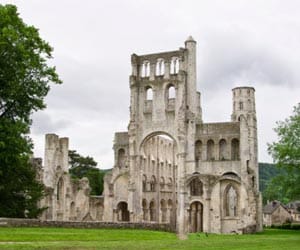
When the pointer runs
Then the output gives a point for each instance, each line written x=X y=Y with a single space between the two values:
x=64 y=238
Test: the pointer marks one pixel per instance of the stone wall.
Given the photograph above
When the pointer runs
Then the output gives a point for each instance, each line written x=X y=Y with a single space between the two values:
x=14 y=222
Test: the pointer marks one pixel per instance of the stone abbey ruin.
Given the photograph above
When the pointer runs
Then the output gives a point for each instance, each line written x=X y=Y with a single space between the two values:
x=170 y=166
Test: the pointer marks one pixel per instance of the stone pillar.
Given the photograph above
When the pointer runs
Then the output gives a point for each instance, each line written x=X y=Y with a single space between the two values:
x=190 y=45
x=152 y=71
x=204 y=151
x=216 y=150
x=193 y=219
x=167 y=70
x=181 y=226
x=199 y=219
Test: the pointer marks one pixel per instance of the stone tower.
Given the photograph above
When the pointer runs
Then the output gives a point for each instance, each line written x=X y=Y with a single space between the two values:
x=170 y=167
x=56 y=154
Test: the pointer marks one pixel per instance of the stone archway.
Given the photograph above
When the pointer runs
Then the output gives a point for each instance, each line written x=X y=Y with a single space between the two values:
x=196 y=217
x=122 y=211
x=159 y=170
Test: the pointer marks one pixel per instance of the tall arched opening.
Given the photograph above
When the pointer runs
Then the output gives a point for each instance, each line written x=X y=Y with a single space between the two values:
x=196 y=217
x=122 y=211
x=159 y=166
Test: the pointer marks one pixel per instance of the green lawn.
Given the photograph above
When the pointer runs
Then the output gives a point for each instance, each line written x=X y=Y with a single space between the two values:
x=64 y=238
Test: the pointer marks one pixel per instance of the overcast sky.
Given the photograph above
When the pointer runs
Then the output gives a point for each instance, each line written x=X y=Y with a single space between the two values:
x=239 y=43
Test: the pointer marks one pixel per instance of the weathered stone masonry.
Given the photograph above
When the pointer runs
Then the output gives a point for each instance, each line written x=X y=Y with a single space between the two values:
x=170 y=167
x=66 y=199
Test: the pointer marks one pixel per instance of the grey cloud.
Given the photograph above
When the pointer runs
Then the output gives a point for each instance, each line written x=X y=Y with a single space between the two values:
x=91 y=89
x=44 y=123
x=226 y=60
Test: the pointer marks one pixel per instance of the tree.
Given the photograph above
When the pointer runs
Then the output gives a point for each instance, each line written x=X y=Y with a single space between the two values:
x=286 y=155
x=24 y=82
x=267 y=172
x=86 y=167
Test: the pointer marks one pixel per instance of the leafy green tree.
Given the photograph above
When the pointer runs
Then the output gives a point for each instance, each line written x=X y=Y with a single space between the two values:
x=286 y=155
x=267 y=172
x=24 y=82
x=86 y=167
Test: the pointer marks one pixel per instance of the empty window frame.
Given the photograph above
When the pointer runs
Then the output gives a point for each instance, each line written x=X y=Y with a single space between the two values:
x=160 y=67
x=174 y=66
x=145 y=69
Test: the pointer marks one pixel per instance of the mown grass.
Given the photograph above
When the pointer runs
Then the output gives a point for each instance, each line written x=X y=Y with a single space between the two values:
x=64 y=238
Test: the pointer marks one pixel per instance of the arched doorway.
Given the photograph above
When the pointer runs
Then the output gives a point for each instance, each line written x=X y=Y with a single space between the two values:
x=196 y=217
x=170 y=212
x=122 y=211
x=152 y=211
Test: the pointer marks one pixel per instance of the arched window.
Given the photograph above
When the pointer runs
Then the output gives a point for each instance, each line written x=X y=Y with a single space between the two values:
x=198 y=150
x=121 y=158
x=144 y=183
x=174 y=66
x=160 y=67
x=222 y=149
x=235 y=149
x=152 y=183
x=196 y=187
x=231 y=201
x=241 y=106
x=171 y=94
x=170 y=182
x=145 y=69
x=149 y=94
x=210 y=150
x=162 y=182
x=60 y=189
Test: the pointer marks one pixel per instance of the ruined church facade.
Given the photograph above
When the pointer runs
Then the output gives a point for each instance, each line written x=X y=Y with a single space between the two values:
x=170 y=166
x=66 y=199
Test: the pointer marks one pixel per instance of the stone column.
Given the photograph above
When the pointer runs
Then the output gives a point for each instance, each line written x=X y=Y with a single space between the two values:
x=167 y=70
x=181 y=227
